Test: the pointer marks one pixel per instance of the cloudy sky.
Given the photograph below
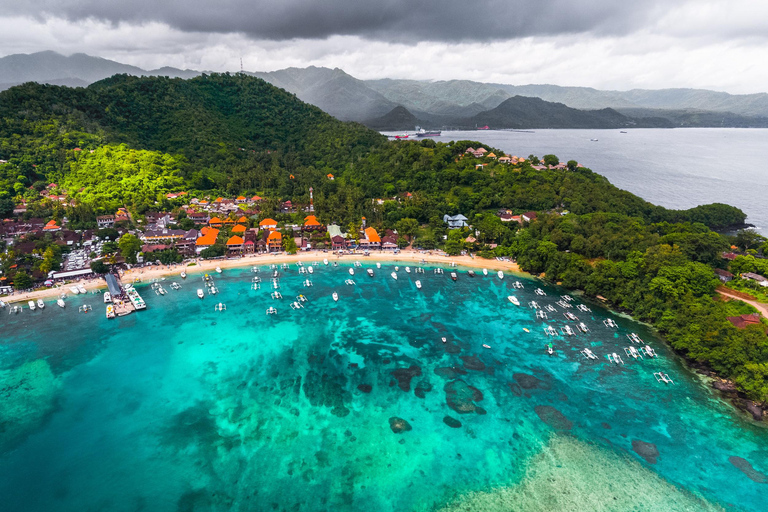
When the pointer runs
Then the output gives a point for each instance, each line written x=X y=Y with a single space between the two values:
x=607 y=44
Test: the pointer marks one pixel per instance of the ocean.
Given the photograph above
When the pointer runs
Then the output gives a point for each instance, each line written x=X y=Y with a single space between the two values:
x=674 y=168
x=358 y=405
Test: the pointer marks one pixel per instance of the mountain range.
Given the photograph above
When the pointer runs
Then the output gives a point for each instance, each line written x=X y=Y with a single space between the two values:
x=388 y=104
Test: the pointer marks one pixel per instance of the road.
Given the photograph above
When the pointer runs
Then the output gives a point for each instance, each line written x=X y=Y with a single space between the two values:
x=762 y=308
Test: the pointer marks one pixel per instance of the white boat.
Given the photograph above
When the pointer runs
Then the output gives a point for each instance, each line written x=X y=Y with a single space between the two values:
x=615 y=358
x=61 y=303
x=350 y=282
x=301 y=298
x=632 y=352
x=454 y=276
x=310 y=269
x=397 y=269
x=220 y=307
x=610 y=323
x=307 y=283
x=571 y=316
x=358 y=264
x=378 y=265
x=582 y=307
x=486 y=346
x=218 y=270
x=539 y=291
x=302 y=270
x=277 y=295
x=394 y=276
x=81 y=288
x=518 y=285
x=351 y=271
x=107 y=297
x=418 y=284
x=541 y=314
x=3 y=304
x=567 y=330
x=200 y=293
x=485 y=271
x=74 y=290
x=335 y=297
x=325 y=261
x=566 y=298
x=40 y=303
x=407 y=270
x=583 y=327
x=550 y=308
x=438 y=271
x=588 y=354
x=550 y=350
x=31 y=305
x=296 y=305
x=649 y=351
x=513 y=300
x=110 y=311
x=175 y=286
x=500 y=274
x=550 y=331
x=84 y=308
x=533 y=304
x=663 y=377
x=271 y=311
x=183 y=275
x=15 y=309
x=370 y=272
x=444 y=340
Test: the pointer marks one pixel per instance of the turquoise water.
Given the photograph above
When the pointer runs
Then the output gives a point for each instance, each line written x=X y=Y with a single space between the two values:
x=181 y=407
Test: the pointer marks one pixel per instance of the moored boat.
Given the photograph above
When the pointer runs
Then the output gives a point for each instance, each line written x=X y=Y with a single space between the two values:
x=485 y=271
x=513 y=300
x=40 y=303
x=31 y=305
x=74 y=290
x=394 y=276
x=370 y=272
x=81 y=289
x=110 y=311
x=351 y=271
x=471 y=273
x=107 y=297
x=418 y=284
x=200 y=293
x=500 y=274
x=183 y=275
x=218 y=270
x=61 y=303
x=454 y=276
x=335 y=297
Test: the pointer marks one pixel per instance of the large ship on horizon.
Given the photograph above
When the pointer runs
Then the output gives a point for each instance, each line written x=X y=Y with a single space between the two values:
x=421 y=132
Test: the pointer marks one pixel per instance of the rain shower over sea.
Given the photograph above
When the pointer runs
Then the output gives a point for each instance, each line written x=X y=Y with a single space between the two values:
x=359 y=404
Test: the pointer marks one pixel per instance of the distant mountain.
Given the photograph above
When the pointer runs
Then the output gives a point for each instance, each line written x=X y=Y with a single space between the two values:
x=399 y=118
x=77 y=70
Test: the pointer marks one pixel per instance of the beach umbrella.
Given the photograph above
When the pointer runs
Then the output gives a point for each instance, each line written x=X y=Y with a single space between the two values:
x=48 y=283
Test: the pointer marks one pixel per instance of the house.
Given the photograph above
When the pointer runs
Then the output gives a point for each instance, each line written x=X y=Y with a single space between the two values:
x=242 y=220
x=239 y=230
x=105 y=221
x=207 y=239
x=743 y=321
x=389 y=243
x=240 y=199
x=723 y=275
x=528 y=216
x=51 y=226
x=235 y=244
x=156 y=235
x=508 y=217
x=268 y=224
x=311 y=224
x=197 y=217
x=762 y=281
x=275 y=241
x=730 y=256
x=372 y=239
x=329 y=176
x=249 y=246
x=287 y=207
x=215 y=222
x=255 y=199
x=337 y=242
x=455 y=221
x=334 y=230
x=174 y=195
x=505 y=159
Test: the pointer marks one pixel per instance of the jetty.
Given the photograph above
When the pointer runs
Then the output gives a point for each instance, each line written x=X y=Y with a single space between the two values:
x=125 y=299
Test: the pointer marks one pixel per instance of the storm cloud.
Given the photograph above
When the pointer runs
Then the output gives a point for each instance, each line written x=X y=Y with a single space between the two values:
x=383 y=20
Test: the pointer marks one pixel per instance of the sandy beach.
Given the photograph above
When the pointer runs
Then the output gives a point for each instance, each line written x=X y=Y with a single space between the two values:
x=158 y=271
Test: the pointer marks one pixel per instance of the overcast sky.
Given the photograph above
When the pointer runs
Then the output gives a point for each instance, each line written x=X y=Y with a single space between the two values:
x=607 y=44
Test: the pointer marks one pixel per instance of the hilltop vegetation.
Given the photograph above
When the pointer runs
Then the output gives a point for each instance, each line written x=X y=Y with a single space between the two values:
x=127 y=142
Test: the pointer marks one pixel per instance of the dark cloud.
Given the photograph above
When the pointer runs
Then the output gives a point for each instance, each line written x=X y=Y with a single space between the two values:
x=386 y=20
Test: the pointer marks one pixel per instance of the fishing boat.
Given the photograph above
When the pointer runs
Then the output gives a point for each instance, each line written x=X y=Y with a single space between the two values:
x=663 y=377
x=31 y=305
x=335 y=297
x=513 y=300
x=485 y=271
x=74 y=290
x=370 y=272
x=454 y=276
x=394 y=276
x=271 y=311
x=471 y=273
x=550 y=331
x=110 y=311
x=608 y=322
x=649 y=351
x=40 y=303
x=407 y=270
x=533 y=305
x=566 y=329
x=183 y=275
x=632 y=352
x=571 y=316
x=296 y=305
x=200 y=293
x=277 y=295
x=550 y=349
x=61 y=303
x=218 y=270
x=418 y=284
x=310 y=269
x=325 y=261
x=378 y=265
x=539 y=291
x=583 y=327
x=541 y=315
x=350 y=282
x=550 y=308
x=81 y=288
x=307 y=283
x=588 y=354
x=518 y=285
x=351 y=271
x=107 y=297
x=500 y=274
x=615 y=358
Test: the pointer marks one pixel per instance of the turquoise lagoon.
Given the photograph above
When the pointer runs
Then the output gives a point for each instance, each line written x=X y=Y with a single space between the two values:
x=184 y=408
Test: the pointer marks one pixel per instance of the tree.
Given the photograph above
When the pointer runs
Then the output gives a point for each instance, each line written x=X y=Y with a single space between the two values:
x=289 y=245
x=99 y=267
x=6 y=207
x=213 y=251
x=572 y=165
x=551 y=160
x=22 y=281
x=407 y=227
x=129 y=246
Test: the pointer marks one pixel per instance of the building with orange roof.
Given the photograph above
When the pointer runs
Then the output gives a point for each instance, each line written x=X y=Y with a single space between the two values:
x=256 y=199
x=235 y=244
x=268 y=224
x=207 y=240
x=311 y=223
x=242 y=220
x=275 y=241
x=218 y=200
x=239 y=229
x=215 y=222
x=52 y=226
x=372 y=239
x=240 y=199
x=228 y=221
x=330 y=176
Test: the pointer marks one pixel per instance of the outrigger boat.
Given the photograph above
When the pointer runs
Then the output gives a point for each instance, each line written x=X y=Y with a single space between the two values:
x=84 y=308
x=277 y=295
x=566 y=298
x=615 y=358
x=296 y=305
x=563 y=304
x=302 y=270
x=518 y=285
x=533 y=304
x=571 y=316
x=271 y=311
x=583 y=327
x=550 y=331
x=541 y=315
x=350 y=282
x=582 y=307
x=539 y=291
x=610 y=323
x=301 y=298
x=567 y=330
x=307 y=283
x=358 y=264
x=663 y=377
x=648 y=351
x=418 y=284
x=513 y=300
x=588 y=354
x=439 y=271
x=634 y=338
x=335 y=297
x=632 y=352
x=175 y=286
x=550 y=308
x=220 y=307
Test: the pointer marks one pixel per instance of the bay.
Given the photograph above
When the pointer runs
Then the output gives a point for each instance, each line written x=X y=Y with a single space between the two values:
x=674 y=168
x=182 y=407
